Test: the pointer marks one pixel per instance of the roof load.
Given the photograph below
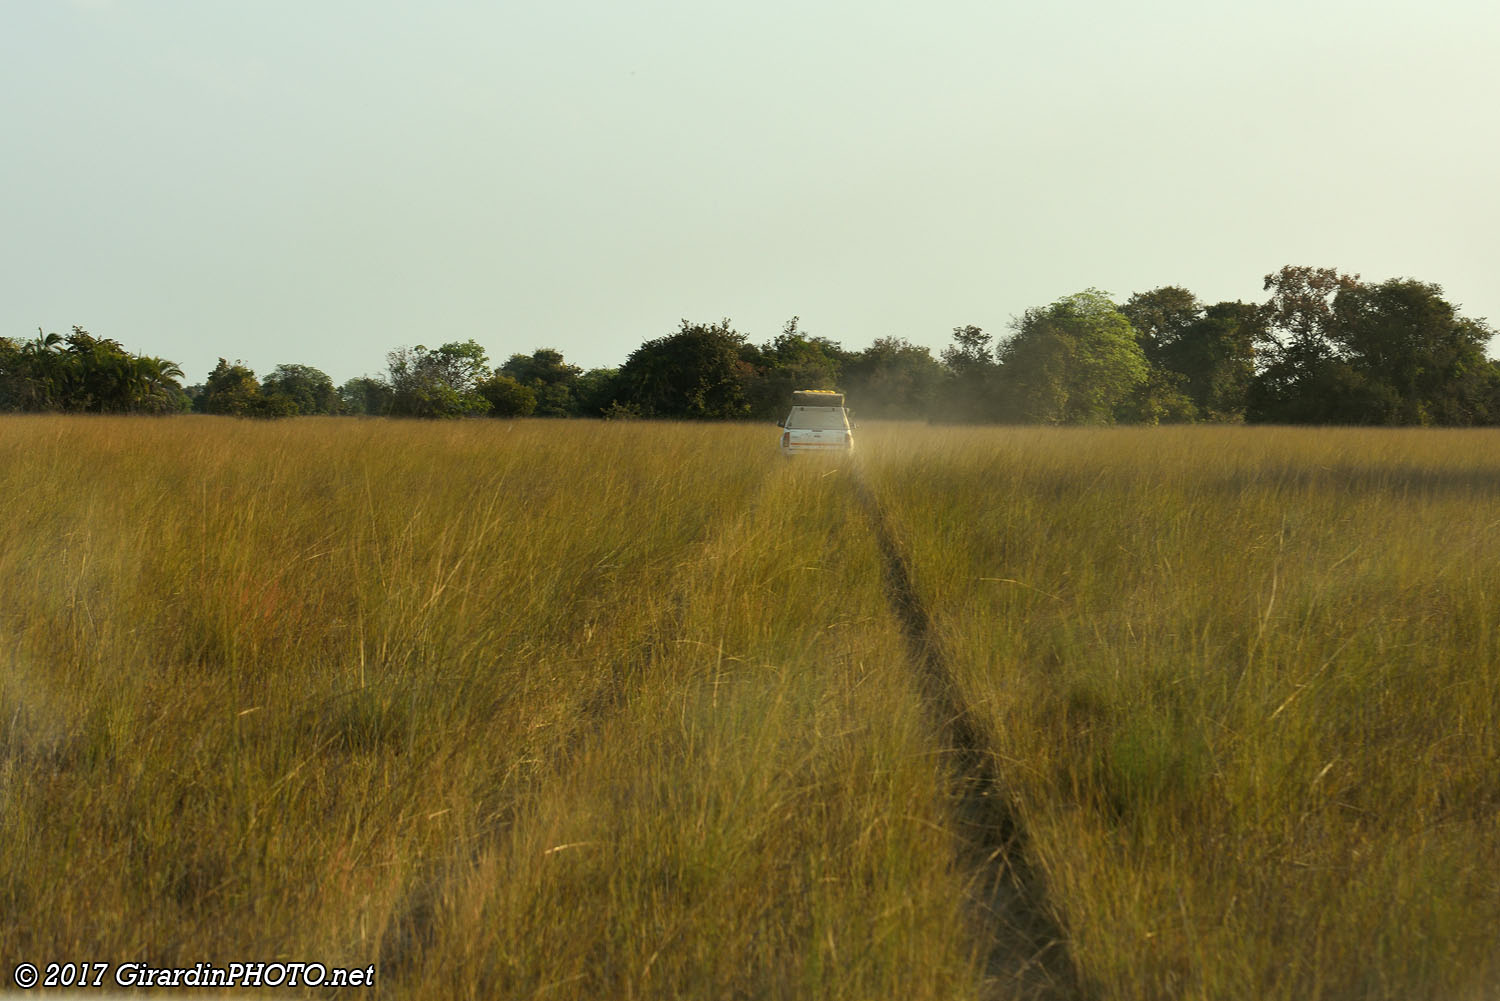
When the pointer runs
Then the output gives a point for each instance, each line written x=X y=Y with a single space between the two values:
x=817 y=398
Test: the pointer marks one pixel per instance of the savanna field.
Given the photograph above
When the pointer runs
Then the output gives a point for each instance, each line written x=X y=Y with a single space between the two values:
x=574 y=709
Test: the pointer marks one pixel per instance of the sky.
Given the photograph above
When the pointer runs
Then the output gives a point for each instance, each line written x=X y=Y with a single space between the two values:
x=322 y=181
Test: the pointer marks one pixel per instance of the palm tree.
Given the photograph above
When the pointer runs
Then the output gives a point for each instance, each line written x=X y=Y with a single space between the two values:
x=43 y=377
x=152 y=382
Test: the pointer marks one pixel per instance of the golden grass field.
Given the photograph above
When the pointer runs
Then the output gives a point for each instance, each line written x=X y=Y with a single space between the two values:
x=632 y=710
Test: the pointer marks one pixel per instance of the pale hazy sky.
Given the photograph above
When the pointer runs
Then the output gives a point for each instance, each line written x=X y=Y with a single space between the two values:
x=320 y=181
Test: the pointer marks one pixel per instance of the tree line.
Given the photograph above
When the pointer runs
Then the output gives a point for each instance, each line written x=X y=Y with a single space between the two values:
x=1323 y=348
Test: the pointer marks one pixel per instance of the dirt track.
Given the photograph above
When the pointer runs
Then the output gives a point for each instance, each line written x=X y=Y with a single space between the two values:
x=1028 y=953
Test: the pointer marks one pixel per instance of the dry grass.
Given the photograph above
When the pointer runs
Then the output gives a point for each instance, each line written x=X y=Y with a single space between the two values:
x=567 y=709
x=1244 y=685
x=507 y=711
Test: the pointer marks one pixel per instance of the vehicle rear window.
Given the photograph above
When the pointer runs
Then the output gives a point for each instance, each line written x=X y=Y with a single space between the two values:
x=818 y=418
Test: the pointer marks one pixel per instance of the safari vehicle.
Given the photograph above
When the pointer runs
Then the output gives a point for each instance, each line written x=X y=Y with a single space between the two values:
x=817 y=423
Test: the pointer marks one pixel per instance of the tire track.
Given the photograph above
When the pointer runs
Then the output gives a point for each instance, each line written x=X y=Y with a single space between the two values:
x=1028 y=955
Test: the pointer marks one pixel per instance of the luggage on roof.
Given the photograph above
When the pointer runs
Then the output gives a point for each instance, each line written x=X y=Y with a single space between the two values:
x=817 y=398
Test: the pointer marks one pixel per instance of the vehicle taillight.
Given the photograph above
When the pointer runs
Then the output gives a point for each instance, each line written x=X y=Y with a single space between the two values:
x=786 y=439
x=848 y=437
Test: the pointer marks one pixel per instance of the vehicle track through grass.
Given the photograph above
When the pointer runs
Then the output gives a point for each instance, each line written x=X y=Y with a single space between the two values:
x=1028 y=954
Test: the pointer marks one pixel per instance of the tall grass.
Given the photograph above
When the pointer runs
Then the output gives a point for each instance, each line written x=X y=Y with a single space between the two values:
x=1244 y=686
x=569 y=709
x=541 y=709
x=764 y=818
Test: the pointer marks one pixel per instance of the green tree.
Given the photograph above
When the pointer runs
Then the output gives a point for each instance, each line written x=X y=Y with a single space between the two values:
x=230 y=389
x=1299 y=379
x=1073 y=362
x=99 y=373
x=792 y=361
x=894 y=378
x=84 y=373
x=48 y=371
x=1300 y=307
x=33 y=373
x=1160 y=398
x=309 y=390
x=1338 y=351
x=551 y=380
x=13 y=381
x=596 y=390
x=1161 y=317
x=156 y=389
x=970 y=351
x=366 y=396
x=1215 y=355
x=438 y=382
x=508 y=397
x=1202 y=358
x=1411 y=358
x=973 y=366
x=694 y=373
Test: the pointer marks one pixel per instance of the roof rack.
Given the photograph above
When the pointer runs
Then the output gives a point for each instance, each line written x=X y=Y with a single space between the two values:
x=817 y=398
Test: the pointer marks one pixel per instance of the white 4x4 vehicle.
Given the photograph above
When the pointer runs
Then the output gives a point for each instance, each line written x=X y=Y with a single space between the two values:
x=817 y=423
